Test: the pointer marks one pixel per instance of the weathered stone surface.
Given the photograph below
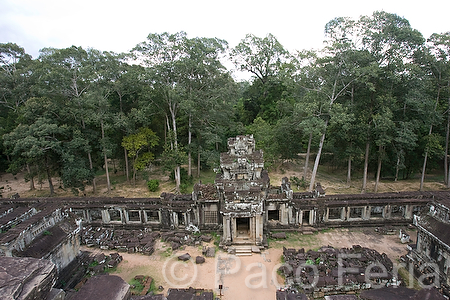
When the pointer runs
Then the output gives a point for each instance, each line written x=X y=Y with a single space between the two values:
x=184 y=257
x=175 y=246
x=206 y=238
x=56 y=294
x=104 y=287
x=26 y=278
x=199 y=260
x=190 y=293
x=210 y=252
x=279 y=235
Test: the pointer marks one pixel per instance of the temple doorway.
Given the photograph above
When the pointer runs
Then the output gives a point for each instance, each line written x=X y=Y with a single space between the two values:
x=243 y=227
x=305 y=219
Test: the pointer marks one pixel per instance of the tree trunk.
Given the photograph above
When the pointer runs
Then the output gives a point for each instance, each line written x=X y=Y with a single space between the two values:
x=198 y=163
x=422 y=178
x=189 y=143
x=127 y=167
x=308 y=152
x=366 y=167
x=32 y=188
x=91 y=166
x=134 y=170
x=50 y=182
x=316 y=162
x=424 y=167
x=349 y=170
x=397 y=168
x=446 y=169
x=380 y=150
x=108 y=183
x=177 y=179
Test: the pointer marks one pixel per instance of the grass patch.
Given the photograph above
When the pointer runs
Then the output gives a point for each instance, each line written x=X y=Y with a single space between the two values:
x=405 y=276
x=216 y=238
x=296 y=240
x=136 y=286
x=167 y=253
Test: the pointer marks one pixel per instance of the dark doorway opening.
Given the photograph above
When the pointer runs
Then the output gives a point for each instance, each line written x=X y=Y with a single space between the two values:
x=305 y=219
x=180 y=219
x=273 y=215
x=243 y=226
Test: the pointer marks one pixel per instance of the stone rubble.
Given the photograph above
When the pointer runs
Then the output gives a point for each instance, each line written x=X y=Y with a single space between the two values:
x=301 y=267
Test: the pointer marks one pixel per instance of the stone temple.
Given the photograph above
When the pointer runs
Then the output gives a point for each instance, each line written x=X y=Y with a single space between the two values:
x=242 y=206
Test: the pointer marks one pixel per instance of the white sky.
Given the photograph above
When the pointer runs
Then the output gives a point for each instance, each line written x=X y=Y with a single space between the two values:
x=120 y=25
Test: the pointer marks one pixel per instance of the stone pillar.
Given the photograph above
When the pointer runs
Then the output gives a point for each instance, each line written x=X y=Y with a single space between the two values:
x=197 y=215
x=409 y=211
x=285 y=215
x=342 y=213
x=327 y=215
x=365 y=214
x=300 y=219
x=312 y=217
x=125 y=217
x=259 y=229
x=387 y=212
x=106 y=218
x=296 y=217
x=233 y=228
x=290 y=219
x=225 y=224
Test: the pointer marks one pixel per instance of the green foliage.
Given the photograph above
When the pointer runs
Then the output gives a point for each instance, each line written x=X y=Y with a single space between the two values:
x=299 y=183
x=46 y=232
x=153 y=185
x=138 y=286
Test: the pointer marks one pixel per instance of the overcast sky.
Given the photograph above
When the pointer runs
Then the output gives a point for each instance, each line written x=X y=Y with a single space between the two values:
x=120 y=25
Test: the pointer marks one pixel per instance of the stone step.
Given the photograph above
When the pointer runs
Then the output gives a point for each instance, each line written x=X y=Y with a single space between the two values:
x=243 y=249
x=243 y=254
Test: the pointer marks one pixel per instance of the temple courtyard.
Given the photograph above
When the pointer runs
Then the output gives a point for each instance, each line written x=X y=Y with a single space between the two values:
x=248 y=276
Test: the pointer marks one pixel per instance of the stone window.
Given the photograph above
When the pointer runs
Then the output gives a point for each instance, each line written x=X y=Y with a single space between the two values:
x=114 y=215
x=152 y=216
x=416 y=209
x=397 y=211
x=356 y=212
x=180 y=218
x=334 y=213
x=376 y=211
x=134 y=216
x=210 y=217
x=96 y=215
x=273 y=214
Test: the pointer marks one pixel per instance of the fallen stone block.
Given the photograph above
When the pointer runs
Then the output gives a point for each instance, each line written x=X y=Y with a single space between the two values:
x=206 y=238
x=175 y=246
x=184 y=257
x=279 y=235
x=200 y=260
x=210 y=252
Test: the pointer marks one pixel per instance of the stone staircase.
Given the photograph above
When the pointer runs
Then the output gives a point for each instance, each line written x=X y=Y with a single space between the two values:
x=245 y=250
x=308 y=229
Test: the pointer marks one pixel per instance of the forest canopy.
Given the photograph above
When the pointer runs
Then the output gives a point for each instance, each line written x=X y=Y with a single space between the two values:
x=376 y=98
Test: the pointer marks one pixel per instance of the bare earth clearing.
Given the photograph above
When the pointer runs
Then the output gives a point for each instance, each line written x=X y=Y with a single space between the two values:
x=246 y=277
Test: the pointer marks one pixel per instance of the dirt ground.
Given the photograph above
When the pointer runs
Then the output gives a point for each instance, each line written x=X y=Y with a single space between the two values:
x=246 y=277
x=333 y=181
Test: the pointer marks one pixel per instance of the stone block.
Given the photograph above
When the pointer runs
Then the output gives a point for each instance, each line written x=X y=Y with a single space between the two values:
x=200 y=260
x=184 y=257
x=26 y=278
